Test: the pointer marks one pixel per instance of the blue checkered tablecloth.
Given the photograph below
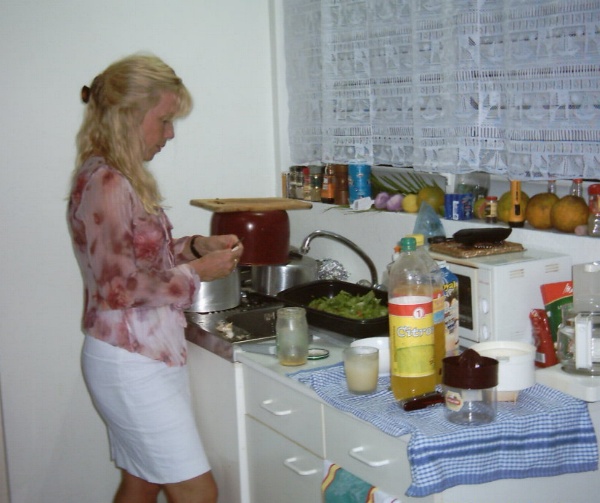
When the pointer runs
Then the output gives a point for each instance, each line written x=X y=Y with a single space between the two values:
x=544 y=433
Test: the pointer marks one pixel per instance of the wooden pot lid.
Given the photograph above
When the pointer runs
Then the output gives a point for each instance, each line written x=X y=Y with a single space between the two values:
x=251 y=204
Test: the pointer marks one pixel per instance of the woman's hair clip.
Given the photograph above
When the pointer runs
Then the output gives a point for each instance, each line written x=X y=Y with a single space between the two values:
x=85 y=94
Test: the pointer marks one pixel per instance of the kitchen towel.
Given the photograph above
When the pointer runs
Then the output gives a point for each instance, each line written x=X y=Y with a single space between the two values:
x=544 y=433
x=341 y=486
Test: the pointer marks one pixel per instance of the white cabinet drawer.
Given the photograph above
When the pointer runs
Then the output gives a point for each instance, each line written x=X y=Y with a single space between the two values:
x=279 y=469
x=293 y=414
x=368 y=453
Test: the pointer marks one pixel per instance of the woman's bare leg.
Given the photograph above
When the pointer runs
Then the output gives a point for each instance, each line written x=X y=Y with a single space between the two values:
x=136 y=490
x=201 y=489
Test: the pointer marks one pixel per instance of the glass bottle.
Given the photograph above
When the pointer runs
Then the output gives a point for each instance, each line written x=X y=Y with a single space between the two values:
x=342 y=195
x=491 y=209
x=306 y=189
x=551 y=187
x=594 y=203
x=576 y=187
x=410 y=307
x=328 y=189
x=476 y=183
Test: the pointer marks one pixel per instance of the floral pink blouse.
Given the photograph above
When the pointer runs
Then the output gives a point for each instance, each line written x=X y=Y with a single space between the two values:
x=136 y=281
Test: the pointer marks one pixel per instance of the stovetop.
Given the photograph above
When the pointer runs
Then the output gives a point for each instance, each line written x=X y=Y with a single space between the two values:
x=235 y=328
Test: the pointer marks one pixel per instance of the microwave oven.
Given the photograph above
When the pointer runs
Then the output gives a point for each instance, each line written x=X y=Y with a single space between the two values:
x=496 y=293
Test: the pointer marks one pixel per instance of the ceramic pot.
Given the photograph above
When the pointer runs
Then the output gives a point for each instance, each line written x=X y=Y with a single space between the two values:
x=265 y=234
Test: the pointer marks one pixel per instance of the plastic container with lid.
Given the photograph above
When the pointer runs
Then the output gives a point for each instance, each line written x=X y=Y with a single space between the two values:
x=470 y=382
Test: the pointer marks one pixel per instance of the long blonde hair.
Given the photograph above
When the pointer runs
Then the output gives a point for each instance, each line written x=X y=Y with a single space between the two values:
x=117 y=102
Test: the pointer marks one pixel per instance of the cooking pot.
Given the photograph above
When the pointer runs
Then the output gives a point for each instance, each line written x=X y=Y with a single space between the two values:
x=217 y=295
x=266 y=234
x=272 y=279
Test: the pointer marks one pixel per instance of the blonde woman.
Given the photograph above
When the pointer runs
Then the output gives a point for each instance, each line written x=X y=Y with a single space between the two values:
x=137 y=280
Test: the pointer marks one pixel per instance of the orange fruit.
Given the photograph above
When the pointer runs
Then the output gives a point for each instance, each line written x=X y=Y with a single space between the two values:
x=538 y=209
x=432 y=195
x=504 y=205
x=569 y=212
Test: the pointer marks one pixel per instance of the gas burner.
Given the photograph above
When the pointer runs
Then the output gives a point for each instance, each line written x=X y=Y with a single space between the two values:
x=227 y=325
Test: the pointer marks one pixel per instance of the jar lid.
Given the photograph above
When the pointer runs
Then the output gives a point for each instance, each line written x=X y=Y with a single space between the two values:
x=470 y=370
x=594 y=189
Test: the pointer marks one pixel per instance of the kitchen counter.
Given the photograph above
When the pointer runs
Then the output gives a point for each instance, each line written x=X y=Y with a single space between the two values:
x=257 y=372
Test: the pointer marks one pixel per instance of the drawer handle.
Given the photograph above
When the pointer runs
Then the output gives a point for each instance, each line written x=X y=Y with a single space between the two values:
x=267 y=406
x=304 y=473
x=355 y=453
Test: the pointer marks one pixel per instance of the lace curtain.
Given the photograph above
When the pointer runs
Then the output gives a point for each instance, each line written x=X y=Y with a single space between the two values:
x=510 y=87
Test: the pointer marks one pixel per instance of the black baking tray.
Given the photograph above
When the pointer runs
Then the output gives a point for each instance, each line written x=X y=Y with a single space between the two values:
x=302 y=295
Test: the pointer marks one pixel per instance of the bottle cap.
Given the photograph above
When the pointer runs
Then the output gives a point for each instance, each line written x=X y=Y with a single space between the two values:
x=470 y=370
x=408 y=244
x=594 y=189
x=419 y=238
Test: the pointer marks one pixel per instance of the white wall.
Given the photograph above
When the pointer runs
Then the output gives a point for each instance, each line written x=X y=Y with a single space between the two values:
x=56 y=445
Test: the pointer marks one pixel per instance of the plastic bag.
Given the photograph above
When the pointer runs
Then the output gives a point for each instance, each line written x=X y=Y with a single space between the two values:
x=429 y=223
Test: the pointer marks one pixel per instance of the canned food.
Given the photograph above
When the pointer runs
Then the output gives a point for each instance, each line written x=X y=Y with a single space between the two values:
x=458 y=206
x=359 y=181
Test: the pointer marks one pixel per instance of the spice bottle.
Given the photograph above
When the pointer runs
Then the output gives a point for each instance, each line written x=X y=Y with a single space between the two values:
x=551 y=187
x=328 y=189
x=577 y=187
x=491 y=209
x=306 y=195
x=341 y=184
x=516 y=216
x=410 y=308
x=594 y=202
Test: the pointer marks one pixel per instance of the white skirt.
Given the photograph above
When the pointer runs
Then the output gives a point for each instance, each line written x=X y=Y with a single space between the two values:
x=146 y=406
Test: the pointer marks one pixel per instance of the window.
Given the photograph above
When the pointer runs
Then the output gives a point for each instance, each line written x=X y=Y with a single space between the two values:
x=510 y=87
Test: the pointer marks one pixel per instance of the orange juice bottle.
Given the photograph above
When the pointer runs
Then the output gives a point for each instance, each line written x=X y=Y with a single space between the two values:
x=410 y=306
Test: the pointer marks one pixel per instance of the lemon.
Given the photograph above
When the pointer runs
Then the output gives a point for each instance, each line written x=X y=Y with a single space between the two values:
x=410 y=204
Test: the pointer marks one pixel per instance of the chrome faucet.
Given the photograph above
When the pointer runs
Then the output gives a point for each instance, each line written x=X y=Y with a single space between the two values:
x=305 y=248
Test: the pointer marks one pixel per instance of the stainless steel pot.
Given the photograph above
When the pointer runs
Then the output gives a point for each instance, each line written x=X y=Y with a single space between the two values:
x=272 y=279
x=217 y=295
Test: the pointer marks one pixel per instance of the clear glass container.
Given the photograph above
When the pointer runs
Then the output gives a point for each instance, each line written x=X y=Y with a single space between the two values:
x=470 y=388
x=578 y=344
x=470 y=406
x=476 y=183
x=292 y=336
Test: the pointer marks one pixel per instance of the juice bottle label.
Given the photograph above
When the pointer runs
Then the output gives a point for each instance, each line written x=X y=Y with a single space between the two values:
x=412 y=336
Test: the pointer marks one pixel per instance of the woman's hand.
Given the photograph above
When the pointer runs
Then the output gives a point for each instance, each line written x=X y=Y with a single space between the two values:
x=219 y=262
x=206 y=244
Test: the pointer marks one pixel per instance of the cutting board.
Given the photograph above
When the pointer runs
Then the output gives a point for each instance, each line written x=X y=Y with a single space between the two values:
x=251 y=204
x=460 y=250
